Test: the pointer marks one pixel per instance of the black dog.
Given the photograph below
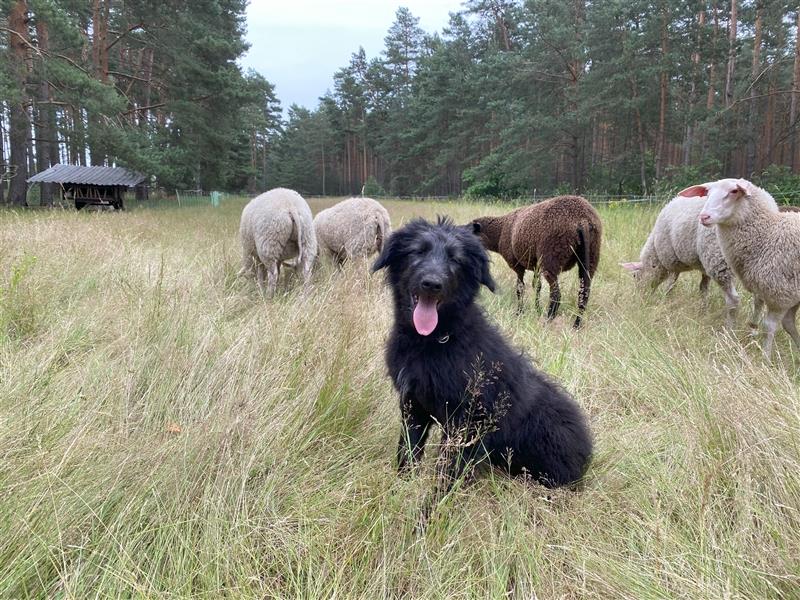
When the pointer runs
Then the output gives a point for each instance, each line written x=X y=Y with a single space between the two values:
x=453 y=368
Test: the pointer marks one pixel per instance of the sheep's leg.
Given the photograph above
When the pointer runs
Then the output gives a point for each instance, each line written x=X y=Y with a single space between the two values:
x=731 y=303
x=308 y=265
x=260 y=276
x=758 y=305
x=704 y=280
x=584 y=287
x=672 y=279
x=249 y=266
x=770 y=327
x=537 y=290
x=340 y=260
x=300 y=269
x=272 y=278
x=657 y=278
x=790 y=326
x=520 y=288
x=555 y=294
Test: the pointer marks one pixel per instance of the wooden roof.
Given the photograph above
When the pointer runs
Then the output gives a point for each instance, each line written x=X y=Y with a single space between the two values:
x=88 y=176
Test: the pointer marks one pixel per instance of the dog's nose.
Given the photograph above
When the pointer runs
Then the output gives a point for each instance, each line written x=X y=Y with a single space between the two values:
x=432 y=285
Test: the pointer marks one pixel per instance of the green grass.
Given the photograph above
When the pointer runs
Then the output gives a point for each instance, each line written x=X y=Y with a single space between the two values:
x=119 y=329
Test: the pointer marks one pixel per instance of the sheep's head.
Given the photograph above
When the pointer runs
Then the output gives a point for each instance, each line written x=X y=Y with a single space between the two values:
x=640 y=272
x=723 y=199
x=487 y=232
x=634 y=268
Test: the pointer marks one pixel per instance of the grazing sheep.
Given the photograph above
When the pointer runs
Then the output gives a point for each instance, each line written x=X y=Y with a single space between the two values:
x=275 y=227
x=354 y=228
x=678 y=243
x=761 y=245
x=547 y=238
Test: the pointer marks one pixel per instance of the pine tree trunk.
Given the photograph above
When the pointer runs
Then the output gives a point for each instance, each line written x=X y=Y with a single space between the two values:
x=2 y=155
x=251 y=179
x=45 y=122
x=793 y=108
x=663 y=93
x=147 y=75
x=750 y=159
x=642 y=142
x=100 y=14
x=712 y=70
x=767 y=139
x=731 y=71
x=77 y=142
x=689 y=138
x=19 y=121
x=323 y=169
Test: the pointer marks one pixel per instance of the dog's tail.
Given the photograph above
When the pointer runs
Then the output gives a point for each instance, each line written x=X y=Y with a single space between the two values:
x=583 y=252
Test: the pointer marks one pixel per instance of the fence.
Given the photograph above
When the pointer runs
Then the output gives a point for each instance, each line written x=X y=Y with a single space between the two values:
x=185 y=198
x=196 y=198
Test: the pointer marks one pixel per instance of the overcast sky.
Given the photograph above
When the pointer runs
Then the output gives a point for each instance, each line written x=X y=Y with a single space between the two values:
x=299 y=44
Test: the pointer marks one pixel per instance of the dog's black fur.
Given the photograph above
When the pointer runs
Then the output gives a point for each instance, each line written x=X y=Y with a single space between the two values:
x=488 y=399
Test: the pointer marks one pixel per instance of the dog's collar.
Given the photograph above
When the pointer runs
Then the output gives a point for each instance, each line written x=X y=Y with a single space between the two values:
x=443 y=339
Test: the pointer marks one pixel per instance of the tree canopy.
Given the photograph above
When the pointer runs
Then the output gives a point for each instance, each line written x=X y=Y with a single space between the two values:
x=153 y=86
x=512 y=96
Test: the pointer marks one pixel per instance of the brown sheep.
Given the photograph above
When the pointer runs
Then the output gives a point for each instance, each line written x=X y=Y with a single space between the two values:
x=547 y=238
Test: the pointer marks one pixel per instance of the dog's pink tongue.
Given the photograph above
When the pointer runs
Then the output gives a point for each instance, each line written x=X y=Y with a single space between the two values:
x=425 y=316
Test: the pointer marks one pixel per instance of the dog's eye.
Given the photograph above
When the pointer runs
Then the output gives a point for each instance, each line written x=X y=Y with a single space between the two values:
x=424 y=248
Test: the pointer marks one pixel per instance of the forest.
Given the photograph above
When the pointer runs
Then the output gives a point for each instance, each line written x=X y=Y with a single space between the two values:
x=510 y=99
x=145 y=84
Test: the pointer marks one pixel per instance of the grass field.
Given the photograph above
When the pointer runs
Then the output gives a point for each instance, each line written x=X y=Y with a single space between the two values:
x=164 y=432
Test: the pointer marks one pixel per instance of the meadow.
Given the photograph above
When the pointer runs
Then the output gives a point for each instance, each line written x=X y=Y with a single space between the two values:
x=167 y=433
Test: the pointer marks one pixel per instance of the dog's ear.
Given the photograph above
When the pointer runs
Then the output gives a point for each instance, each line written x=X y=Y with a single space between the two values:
x=387 y=255
x=486 y=277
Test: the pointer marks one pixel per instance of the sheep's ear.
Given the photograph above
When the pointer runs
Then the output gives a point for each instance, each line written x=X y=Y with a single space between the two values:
x=745 y=187
x=694 y=191
x=476 y=227
x=633 y=267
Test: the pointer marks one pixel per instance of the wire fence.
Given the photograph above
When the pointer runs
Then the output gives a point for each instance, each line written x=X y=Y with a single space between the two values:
x=196 y=198
x=184 y=199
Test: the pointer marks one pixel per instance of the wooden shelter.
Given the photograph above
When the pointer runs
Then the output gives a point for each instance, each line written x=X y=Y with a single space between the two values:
x=98 y=186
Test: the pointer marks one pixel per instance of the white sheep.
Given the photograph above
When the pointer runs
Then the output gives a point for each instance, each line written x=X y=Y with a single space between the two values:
x=761 y=245
x=277 y=226
x=678 y=243
x=353 y=228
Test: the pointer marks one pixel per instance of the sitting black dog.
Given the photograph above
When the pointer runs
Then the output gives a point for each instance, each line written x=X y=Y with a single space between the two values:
x=453 y=368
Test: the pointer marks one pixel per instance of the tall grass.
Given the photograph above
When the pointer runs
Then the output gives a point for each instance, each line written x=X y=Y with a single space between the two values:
x=165 y=432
